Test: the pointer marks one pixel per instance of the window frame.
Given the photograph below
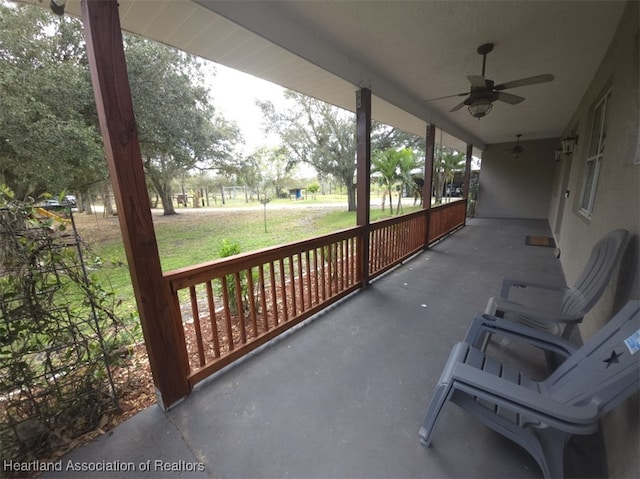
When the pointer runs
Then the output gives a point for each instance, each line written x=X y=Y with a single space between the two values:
x=593 y=162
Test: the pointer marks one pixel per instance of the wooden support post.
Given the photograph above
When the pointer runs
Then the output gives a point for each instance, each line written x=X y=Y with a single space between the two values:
x=363 y=176
x=467 y=172
x=428 y=175
x=467 y=178
x=163 y=334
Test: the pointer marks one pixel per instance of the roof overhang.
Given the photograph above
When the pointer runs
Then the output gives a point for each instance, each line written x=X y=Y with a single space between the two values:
x=404 y=52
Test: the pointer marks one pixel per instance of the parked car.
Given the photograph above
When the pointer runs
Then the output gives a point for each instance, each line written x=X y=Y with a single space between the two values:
x=453 y=190
x=51 y=204
x=69 y=200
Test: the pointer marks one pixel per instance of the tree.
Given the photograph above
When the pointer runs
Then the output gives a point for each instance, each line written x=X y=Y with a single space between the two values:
x=407 y=164
x=394 y=167
x=324 y=137
x=313 y=188
x=317 y=134
x=446 y=162
x=178 y=127
x=49 y=139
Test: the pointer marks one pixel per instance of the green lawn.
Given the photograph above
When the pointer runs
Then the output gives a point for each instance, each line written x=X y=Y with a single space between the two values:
x=190 y=238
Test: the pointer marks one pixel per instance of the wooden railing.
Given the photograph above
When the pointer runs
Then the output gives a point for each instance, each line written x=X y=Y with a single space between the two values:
x=231 y=306
x=394 y=239
x=446 y=218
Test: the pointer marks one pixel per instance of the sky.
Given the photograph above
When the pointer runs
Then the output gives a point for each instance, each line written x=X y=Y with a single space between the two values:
x=234 y=95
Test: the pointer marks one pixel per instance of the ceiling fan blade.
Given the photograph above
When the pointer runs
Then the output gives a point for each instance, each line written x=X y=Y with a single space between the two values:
x=509 y=98
x=457 y=107
x=547 y=77
x=477 y=81
x=448 y=96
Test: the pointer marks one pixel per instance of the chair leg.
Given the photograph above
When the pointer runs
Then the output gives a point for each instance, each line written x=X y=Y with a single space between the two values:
x=553 y=444
x=442 y=393
x=434 y=411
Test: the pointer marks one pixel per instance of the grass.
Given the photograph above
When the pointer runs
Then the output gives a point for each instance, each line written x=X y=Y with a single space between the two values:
x=194 y=236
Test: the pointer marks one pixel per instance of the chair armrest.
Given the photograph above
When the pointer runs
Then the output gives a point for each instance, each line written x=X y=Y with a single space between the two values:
x=491 y=324
x=508 y=283
x=536 y=314
x=532 y=404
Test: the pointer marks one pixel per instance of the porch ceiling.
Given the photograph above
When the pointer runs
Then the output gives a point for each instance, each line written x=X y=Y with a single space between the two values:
x=405 y=52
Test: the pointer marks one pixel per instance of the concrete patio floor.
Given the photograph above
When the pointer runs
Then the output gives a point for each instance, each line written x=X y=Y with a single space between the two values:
x=344 y=394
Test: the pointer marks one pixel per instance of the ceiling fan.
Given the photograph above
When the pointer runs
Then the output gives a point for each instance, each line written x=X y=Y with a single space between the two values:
x=484 y=91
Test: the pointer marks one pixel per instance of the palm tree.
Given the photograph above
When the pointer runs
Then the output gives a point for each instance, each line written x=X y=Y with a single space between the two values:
x=446 y=163
x=407 y=162
x=385 y=163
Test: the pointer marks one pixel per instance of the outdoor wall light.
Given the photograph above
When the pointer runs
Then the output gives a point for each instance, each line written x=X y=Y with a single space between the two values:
x=558 y=154
x=57 y=6
x=569 y=144
x=480 y=107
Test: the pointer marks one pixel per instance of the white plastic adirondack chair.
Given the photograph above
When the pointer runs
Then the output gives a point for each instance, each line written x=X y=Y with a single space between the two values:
x=575 y=302
x=541 y=416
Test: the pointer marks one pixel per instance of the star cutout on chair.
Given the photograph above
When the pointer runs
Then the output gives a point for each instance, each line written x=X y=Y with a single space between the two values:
x=613 y=359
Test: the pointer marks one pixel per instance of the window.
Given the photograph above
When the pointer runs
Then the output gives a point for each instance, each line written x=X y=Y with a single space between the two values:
x=595 y=153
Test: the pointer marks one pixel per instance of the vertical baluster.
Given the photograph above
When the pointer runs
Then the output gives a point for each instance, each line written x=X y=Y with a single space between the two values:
x=227 y=312
x=274 y=293
x=342 y=260
x=307 y=262
x=263 y=299
x=373 y=253
x=387 y=238
x=252 y=301
x=214 y=321
x=301 y=282
x=292 y=285
x=196 y=324
x=349 y=264
x=240 y=308
x=283 y=292
x=323 y=260
x=330 y=268
x=316 y=275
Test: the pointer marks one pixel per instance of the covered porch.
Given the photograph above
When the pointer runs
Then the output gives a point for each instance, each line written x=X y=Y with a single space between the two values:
x=344 y=393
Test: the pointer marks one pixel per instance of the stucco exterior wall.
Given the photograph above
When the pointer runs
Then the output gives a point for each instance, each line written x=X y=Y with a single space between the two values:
x=517 y=187
x=617 y=205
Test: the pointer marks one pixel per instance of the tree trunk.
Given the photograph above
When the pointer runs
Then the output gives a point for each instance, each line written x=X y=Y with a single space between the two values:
x=439 y=187
x=164 y=192
x=106 y=200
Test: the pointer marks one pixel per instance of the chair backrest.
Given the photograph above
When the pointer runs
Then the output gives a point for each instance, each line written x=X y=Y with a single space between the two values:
x=606 y=369
x=595 y=276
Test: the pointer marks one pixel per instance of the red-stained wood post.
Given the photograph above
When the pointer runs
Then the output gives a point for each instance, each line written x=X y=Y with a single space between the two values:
x=467 y=177
x=163 y=335
x=428 y=176
x=363 y=176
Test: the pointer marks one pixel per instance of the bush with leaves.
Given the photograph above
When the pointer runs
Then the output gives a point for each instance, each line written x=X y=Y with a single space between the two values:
x=227 y=249
x=59 y=334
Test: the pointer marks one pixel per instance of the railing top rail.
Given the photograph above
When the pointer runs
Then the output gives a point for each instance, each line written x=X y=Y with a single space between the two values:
x=459 y=201
x=398 y=219
x=191 y=275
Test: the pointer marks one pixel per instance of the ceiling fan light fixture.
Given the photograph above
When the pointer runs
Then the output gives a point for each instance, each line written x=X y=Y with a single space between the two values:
x=480 y=107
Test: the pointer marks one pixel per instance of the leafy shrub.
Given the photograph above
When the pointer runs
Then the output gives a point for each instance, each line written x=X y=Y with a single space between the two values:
x=59 y=335
x=228 y=249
